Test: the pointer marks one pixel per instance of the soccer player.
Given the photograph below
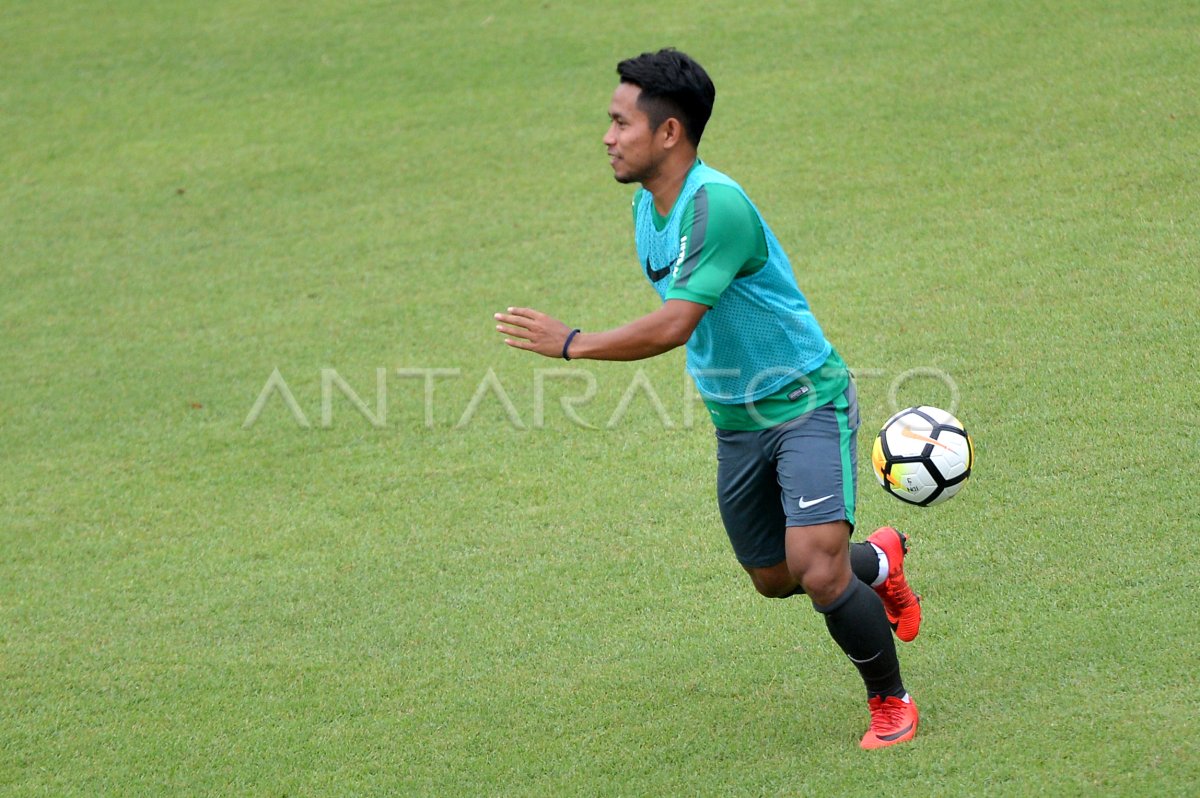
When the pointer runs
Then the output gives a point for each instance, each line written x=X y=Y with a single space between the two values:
x=781 y=399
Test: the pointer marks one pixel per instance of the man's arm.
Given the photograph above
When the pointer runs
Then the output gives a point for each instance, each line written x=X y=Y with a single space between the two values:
x=661 y=331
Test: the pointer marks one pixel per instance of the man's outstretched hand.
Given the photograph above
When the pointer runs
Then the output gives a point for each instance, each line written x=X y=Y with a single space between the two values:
x=526 y=328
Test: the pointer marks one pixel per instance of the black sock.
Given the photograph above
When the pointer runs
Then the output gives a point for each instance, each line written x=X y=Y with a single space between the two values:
x=864 y=561
x=858 y=624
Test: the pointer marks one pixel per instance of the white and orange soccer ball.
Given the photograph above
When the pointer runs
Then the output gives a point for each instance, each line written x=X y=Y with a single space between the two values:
x=922 y=455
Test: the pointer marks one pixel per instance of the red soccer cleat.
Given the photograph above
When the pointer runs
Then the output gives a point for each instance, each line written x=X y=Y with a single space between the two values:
x=902 y=605
x=893 y=720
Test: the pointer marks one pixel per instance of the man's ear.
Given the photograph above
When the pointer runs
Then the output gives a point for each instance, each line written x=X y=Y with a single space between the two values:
x=672 y=132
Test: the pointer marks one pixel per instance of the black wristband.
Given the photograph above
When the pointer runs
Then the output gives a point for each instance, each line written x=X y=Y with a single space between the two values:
x=567 y=343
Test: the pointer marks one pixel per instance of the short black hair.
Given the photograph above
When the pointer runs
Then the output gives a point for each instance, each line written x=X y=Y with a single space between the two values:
x=673 y=85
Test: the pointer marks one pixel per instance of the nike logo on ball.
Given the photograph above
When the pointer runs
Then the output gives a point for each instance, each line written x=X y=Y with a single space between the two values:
x=909 y=433
x=804 y=505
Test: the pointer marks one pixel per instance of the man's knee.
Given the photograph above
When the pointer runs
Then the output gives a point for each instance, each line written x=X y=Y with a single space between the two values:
x=819 y=559
x=824 y=585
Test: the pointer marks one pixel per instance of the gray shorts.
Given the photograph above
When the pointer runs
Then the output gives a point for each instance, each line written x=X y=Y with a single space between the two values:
x=799 y=473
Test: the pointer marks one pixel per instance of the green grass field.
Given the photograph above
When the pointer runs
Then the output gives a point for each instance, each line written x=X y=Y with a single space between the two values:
x=477 y=595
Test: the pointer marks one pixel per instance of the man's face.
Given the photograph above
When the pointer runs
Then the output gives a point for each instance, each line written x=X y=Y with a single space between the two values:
x=633 y=148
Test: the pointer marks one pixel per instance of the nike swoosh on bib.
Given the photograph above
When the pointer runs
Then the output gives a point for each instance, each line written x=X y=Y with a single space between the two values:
x=656 y=274
x=804 y=505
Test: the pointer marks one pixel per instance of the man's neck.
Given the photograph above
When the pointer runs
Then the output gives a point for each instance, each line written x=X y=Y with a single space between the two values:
x=666 y=185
